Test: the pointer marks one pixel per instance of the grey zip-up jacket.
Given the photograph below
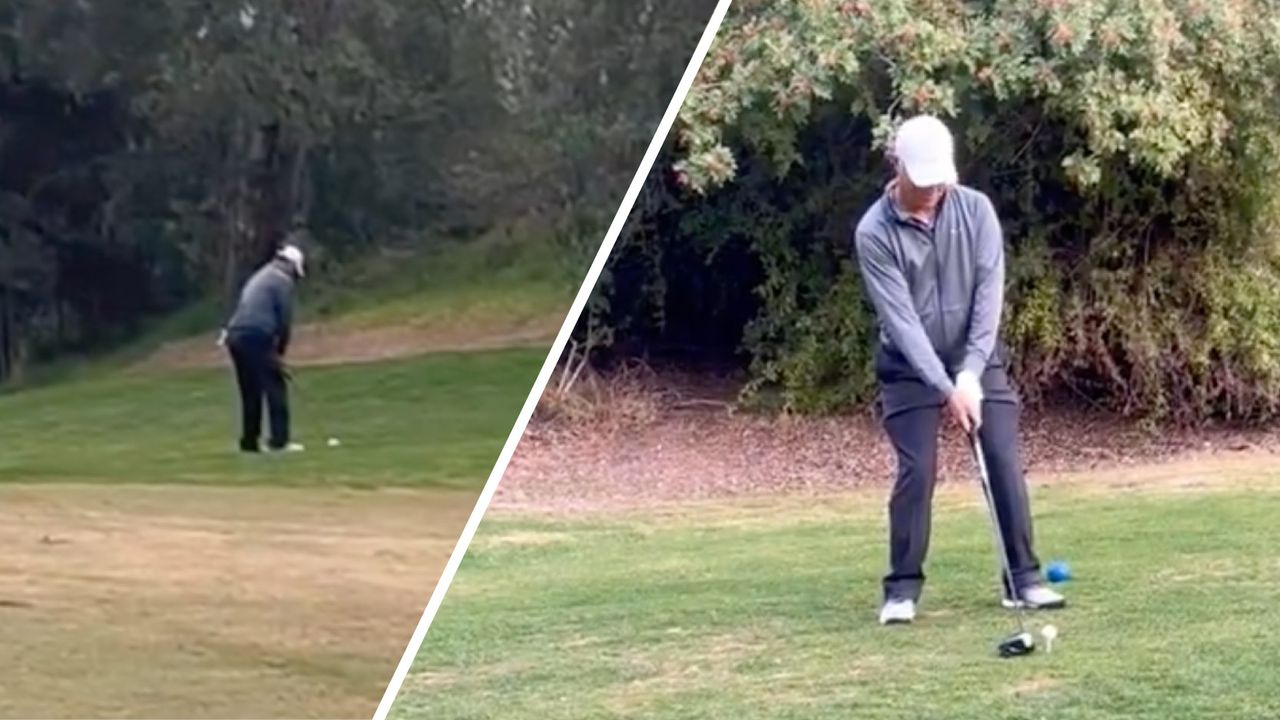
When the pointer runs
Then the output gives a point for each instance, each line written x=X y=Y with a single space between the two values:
x=938 y=291
x=266 y=305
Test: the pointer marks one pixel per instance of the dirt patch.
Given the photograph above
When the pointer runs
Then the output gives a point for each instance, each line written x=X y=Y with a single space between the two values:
x=429 y=681
x=168 y=602
x=523 y=540
x=862 y=667
x=1034 y=686
x=1202 y=571
x=322 y=344
x=706 y=451
x=669 y=670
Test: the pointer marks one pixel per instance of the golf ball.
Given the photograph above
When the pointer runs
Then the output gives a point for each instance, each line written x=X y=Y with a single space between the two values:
x=1058 y=572
x=333 y=442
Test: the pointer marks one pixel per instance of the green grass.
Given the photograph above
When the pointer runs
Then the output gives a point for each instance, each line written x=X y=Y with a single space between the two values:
x=433 y=421
x=767 y=610
x=499 y=279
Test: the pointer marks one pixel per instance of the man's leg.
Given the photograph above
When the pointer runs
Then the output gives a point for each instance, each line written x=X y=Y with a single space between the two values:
x=1000 y=448
x=277 y=401
x=247 y=380
x=914 y=436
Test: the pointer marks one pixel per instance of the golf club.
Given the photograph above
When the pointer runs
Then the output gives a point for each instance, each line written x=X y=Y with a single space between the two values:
x=287 y=373
x=1022 y=642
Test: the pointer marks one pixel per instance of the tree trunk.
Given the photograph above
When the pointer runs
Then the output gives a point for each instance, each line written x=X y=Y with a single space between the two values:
x=300 y=187
x=231 y=244
x=236 y=190
x=5 y=355
x=268 y=191
x=10 y=343
x=230 y=209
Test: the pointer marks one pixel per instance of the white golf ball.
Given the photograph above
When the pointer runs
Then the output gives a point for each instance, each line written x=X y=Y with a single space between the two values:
x=1049 y=632
x=333 y=442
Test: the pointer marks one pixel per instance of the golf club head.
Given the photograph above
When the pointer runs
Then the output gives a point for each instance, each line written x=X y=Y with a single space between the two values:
x=1017 y=645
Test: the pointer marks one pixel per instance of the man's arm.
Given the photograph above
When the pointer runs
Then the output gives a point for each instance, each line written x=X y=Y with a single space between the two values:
x=988 y=294
x=889 y=293
x=227 y=318
x=284 y=319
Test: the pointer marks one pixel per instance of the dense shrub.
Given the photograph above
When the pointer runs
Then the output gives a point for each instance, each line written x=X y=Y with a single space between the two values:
x=1130 y=147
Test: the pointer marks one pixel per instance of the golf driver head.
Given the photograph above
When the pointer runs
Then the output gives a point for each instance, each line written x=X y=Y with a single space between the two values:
x=1017 y=645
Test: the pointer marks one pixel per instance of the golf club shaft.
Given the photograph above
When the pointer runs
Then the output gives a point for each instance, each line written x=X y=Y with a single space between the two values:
x=997 y=530
x=292 y=385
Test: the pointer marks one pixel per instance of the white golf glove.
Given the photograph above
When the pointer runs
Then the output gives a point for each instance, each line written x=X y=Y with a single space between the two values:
x=970 y=389
x=222 y=337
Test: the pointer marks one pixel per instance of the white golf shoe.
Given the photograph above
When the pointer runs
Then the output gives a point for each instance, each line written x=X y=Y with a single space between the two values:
x=900 y=611
x=290 y=448
x=1036 y=597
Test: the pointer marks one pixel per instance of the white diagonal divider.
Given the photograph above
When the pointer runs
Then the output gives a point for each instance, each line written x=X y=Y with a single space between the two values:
x=548 y=366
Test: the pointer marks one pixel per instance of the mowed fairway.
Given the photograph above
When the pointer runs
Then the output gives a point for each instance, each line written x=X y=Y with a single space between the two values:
x=150 y=571
x=766 y=609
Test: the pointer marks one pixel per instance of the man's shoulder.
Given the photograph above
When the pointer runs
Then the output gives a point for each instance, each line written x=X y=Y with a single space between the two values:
x=278 y=277
x=971 y=198
x=872 y=223
x=256 y=279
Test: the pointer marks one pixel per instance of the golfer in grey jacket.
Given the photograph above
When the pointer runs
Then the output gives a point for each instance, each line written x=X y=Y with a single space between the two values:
x=931 y=253
x=257 y=337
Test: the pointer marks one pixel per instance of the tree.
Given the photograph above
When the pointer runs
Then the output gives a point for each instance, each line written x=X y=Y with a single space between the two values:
x=1129 y=146
x=153 y=151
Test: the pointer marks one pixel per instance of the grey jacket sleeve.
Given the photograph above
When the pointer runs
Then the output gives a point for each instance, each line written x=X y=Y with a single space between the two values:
x=988 y=293
x=891 y=297
x=284 y=317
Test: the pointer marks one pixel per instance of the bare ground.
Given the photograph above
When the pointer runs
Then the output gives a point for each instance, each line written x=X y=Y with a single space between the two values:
x=338 y=344
x=690 y=451
x=228 y=603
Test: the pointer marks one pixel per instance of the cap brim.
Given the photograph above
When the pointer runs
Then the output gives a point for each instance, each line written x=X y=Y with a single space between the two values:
x=930 y=174
x=295 y=264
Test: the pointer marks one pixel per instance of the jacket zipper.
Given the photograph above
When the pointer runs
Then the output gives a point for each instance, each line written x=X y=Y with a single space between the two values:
x=937 y=269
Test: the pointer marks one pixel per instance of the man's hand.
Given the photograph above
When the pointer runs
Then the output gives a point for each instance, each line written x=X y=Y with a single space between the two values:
x=965 y=402
x=282 y=367
x=959 y=409
x=222 y=337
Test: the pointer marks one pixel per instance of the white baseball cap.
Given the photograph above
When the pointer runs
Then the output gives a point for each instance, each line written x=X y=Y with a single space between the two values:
x=294 y=256
x=924 y=147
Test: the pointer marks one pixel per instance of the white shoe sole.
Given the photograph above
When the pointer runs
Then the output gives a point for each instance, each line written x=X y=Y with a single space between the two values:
x=1011 y=605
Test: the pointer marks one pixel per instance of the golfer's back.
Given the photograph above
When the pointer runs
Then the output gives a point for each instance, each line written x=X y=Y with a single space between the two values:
x=264 y=303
